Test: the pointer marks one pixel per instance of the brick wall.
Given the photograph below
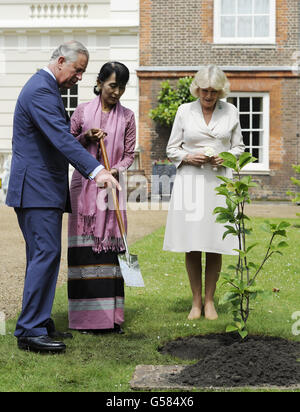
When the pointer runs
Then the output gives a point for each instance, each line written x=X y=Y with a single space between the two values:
x=180 y=33
x=284 y=126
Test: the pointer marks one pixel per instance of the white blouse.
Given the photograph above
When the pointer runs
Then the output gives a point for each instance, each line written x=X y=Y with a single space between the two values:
x=190 y=133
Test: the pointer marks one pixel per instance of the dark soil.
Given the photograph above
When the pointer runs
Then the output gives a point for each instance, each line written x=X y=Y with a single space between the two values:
x=226 y=361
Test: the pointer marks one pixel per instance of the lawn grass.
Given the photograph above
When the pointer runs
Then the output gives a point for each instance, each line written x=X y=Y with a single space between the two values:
x=154 y=315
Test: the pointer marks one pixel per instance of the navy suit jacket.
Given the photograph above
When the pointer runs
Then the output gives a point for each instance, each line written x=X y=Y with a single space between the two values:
x=43 y=147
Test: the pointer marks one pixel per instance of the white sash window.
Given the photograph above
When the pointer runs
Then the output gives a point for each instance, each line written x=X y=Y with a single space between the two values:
x=254 y=110
x=70 y=99
x=245 y=21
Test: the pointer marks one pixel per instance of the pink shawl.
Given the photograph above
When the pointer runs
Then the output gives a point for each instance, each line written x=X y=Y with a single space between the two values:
x=95 y=206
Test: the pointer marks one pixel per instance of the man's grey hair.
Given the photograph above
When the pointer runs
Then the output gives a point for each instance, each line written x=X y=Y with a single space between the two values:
x=70 y=51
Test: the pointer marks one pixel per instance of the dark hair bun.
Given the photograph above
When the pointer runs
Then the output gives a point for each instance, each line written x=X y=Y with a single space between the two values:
x=122 y=74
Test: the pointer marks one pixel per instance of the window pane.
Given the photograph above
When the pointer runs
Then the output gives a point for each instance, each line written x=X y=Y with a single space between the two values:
x=256 y=121
x=65 y=101
x=244 y=104
x=261 y=6
x=244 y=26
x=246 y=138
x=245 y=121
x=228 y=7
x=63 y=91
x=73 y=102
x=261 y=26
x=244 y=6
x=228 y=26
x=74 y=90
x=257 y=103
x=256 y=153
x=251 y=113
x=256 y=138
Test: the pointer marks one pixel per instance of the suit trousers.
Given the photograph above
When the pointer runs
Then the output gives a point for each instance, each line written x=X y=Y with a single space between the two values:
x=41 y=228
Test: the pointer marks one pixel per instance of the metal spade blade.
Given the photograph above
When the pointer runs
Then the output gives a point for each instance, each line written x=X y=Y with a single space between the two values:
x=129 y=264
x=130 y=268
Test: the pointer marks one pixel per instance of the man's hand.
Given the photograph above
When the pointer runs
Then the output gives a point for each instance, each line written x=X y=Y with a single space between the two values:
x=105 y=179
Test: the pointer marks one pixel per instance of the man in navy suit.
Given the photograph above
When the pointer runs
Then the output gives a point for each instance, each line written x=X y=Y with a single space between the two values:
x=38 y=188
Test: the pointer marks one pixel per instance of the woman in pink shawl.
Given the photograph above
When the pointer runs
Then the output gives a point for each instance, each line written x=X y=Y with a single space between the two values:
x=95 y=283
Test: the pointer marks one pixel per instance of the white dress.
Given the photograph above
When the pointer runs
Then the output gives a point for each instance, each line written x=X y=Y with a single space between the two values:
x=191 y=224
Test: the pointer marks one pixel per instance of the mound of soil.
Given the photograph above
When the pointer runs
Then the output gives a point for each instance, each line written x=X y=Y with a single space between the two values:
x=226 y=361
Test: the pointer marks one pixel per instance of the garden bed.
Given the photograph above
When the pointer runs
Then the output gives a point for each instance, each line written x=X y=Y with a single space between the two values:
x=225 y=361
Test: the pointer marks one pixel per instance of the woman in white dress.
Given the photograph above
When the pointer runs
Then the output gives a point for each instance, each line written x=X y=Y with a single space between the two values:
x=201 y=131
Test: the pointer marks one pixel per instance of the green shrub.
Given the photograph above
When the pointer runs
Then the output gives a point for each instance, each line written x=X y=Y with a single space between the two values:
x=170 y=99
x=296 y=196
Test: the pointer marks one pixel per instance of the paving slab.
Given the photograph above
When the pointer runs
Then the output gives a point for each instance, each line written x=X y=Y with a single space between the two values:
x=156 y=377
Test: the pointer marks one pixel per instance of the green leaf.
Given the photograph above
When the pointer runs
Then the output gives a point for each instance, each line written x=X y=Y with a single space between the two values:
x=231 y=328
x=224 y=179
x=253 y=265
x=229 y=232
x=228 y=156
x=266 y=227
x=230 y=165
x=251 y=247
x=282 y=244
x=230 y=160
x=232 y=267
x=243 y=333
x=228 y=297
x=241 y=252
x=246 y=158
x=220 y=210
x=225 y=217
x=283 y=225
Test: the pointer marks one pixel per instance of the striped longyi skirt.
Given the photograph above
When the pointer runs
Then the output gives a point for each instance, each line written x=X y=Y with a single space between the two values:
x=95 y=289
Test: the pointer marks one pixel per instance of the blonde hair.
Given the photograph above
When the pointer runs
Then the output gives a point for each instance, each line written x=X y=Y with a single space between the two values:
x=211 y=76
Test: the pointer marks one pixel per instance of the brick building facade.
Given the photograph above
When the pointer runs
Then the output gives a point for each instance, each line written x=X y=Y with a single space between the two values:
x=257 y=44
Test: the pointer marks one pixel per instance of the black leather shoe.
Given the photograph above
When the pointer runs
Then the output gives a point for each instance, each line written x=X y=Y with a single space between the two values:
x=40 y=344
x=60 y=335
x=118 y=329
x=54 y=334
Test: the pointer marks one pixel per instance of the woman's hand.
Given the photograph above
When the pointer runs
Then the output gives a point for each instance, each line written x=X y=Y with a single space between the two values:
x=197 y=159
x=115 y=173
x=216 y=161
x=94 y=135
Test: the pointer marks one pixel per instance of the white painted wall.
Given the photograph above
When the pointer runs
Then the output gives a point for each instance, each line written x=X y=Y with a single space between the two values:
x=31 y=30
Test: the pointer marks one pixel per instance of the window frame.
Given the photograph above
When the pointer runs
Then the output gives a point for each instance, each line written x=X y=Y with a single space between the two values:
x=218 y=39
x=70 y=109
x=263 y=166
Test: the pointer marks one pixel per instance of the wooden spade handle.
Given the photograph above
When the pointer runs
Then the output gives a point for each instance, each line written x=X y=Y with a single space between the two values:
x=114 y=192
